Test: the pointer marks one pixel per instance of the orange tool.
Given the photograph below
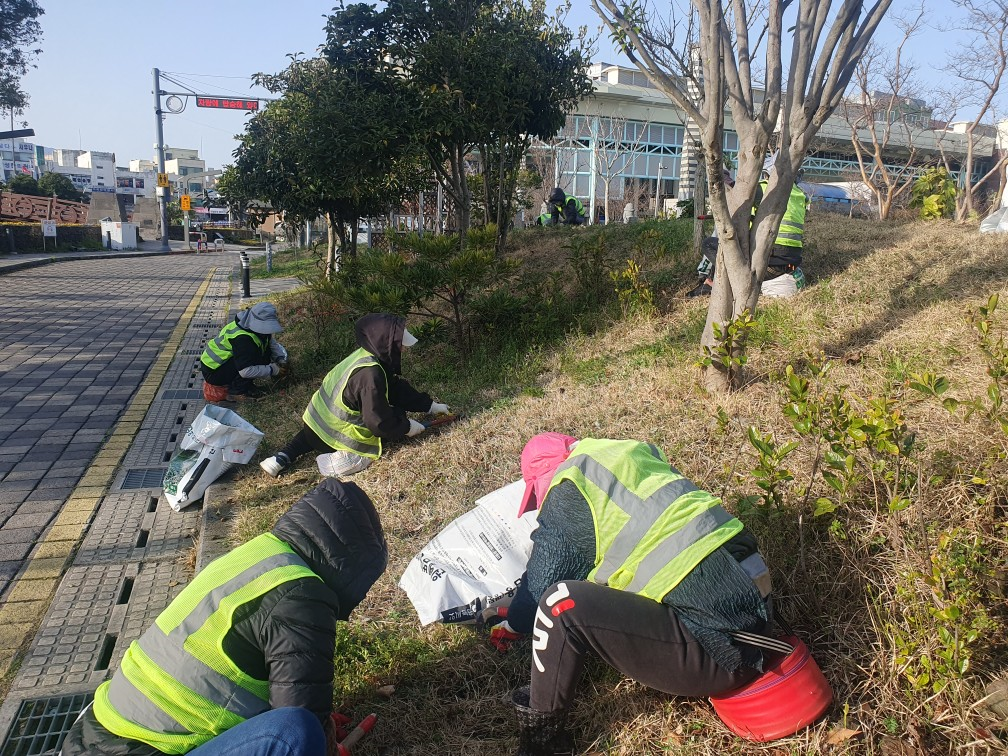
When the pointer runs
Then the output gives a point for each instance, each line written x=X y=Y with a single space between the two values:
x=357 y=734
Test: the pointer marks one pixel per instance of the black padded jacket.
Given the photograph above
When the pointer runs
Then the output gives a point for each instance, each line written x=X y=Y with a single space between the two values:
x=288 y=636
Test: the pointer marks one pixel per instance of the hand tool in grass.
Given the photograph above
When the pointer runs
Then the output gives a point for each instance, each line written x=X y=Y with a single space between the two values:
x=441 y=420
x=356 y=734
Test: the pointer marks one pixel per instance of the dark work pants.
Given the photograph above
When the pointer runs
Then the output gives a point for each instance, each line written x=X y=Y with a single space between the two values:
x=641 y=638
x=305 y=441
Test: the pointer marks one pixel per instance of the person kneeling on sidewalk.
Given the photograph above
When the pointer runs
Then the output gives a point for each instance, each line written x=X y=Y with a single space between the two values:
x=244 y=350
x=242 y=661
x=632 y=562
x=362 y=403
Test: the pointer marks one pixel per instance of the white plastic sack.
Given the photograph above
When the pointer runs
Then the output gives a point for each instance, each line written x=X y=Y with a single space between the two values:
x=475 y=562
x=996 y=222
x=217 y=440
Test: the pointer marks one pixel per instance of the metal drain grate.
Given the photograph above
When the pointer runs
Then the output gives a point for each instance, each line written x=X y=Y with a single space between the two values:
x=42 y=723
x=143 y=477
x=182 y=394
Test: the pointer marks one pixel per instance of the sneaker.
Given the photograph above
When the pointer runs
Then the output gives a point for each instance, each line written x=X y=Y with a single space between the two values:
x=276 y=464
x=702 y=289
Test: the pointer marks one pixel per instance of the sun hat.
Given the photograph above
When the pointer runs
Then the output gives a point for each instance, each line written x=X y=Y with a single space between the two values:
x=540 y=458
x=260 y=318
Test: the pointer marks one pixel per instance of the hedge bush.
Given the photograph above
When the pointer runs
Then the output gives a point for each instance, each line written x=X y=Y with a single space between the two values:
x=28 y=238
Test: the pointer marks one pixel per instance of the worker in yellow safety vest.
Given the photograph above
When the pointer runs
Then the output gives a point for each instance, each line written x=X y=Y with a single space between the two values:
x=633 y=562
x=245 y=349
x=242 y=660
x=566 y=208
x=363 y=402
x=784 y=275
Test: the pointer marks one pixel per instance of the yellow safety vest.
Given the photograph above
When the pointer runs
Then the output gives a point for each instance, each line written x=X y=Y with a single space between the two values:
x=578 y=204
x=176 y=688
x=792 y=225
x=652 y=525
x=333 y=421
x=218 y=350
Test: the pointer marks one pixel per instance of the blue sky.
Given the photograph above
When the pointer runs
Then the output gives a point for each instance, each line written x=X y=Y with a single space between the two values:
x=92 y=87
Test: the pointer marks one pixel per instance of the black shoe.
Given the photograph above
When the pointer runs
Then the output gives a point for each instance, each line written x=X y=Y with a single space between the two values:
x=540 y=733
x=702 y=289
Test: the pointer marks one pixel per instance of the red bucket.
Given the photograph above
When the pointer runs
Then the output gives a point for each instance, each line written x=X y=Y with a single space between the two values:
x=790 y=694
x=213 y=393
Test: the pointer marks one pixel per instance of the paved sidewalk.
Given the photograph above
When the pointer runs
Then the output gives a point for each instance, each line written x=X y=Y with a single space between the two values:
x=133 y=549
x=76 y=341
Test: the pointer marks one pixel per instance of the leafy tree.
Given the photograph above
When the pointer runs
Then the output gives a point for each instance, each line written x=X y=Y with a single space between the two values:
x=485 y=76
x=334 y=145
x=59 y=185
x=431 y=275
x=24 y=184
x=20 y=31
x=711 y=58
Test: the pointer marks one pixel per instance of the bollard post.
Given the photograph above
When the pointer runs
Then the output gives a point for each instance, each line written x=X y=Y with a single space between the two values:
x=246 y=291
x=269 y=258
x=10 y=241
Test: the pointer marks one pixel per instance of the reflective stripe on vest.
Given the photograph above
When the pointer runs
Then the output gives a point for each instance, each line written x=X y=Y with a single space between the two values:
x=652 y=526
x=218 y=349
x=177 y=688
x=334 y=422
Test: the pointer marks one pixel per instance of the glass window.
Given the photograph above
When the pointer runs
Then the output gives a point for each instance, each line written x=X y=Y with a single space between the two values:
x=581 y=186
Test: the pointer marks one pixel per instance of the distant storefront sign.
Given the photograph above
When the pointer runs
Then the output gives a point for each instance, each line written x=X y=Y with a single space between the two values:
x=105 y=189
x=226 y=103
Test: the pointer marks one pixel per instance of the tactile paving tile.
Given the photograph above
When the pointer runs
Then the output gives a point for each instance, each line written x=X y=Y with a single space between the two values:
x=139 y=526
x=80 y=631
x=113 y=535
x=171 y=533
x=153 y=589
x=150 y=445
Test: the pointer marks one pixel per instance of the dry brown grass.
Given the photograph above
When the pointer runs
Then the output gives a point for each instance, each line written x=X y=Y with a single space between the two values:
x=885 y=300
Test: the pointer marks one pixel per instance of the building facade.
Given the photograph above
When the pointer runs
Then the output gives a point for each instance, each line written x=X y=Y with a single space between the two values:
x=19 y=158
x=628 y=136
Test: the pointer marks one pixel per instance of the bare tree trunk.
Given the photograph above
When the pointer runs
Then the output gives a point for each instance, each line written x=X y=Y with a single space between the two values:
x=331 y=255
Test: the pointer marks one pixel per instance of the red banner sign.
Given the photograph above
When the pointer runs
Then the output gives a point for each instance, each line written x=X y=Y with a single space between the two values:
x=226 y=104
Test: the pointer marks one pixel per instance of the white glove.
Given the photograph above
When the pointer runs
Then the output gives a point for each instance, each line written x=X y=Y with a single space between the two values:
x=437 y=408
x=415 y=428
x=274 y=369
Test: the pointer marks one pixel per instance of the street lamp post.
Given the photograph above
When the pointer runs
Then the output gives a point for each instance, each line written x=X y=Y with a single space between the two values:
x=163 y=192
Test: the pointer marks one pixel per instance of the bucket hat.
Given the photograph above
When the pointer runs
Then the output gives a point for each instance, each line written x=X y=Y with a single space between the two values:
x=260 y=318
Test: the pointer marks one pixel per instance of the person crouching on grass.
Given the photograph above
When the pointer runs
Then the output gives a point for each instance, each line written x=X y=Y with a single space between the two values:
x=363 y=402
x=634 y=563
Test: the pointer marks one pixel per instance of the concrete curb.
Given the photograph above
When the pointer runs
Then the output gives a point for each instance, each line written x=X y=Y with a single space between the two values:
x=31 y=593
x=218 y=512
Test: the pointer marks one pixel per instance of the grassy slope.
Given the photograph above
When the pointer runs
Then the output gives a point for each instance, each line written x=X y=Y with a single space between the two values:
x=885 y=300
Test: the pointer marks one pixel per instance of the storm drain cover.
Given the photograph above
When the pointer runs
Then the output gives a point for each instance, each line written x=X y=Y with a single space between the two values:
x=42 y=723
x=142 y=477
x=182 y=394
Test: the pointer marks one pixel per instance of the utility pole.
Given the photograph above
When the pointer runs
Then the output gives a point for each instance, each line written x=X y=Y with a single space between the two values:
x=164 y=193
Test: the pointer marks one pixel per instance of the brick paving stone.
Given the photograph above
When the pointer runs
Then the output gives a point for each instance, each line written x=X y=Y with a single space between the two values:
x=13 y=552
x=76 y=343
x=25 y=534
